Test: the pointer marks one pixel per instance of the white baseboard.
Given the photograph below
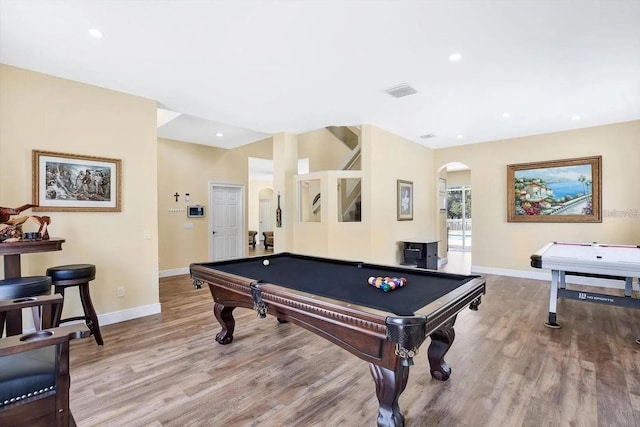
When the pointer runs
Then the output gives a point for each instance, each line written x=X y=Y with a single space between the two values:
x=116 y=316
x=442 y=262
x=129 y=314
x=174 y=272
x=545 y=275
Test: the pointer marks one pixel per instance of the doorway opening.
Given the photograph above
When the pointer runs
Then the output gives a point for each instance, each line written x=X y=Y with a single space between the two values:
x=459 y=222
x=454 y=203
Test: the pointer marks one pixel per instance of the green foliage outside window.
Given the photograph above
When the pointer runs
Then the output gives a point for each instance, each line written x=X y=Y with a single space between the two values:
x=455 y=205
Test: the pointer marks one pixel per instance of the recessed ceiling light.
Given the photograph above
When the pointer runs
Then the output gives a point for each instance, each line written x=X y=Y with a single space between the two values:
x=455 y=57
x=219 y=135
x=576 y=117
x=460 y=136
x=506 y=115
x=94 y=32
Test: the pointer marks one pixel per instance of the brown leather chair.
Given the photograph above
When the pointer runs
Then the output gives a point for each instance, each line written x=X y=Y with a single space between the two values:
x=268 y=239
x=34 y=368
x=252 y=238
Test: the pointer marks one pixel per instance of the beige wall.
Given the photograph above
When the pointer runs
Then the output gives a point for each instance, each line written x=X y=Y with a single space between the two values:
x=190 y=168
x=323 y=149
x=183 y=168
x=42 y=112
x=459 y=178
x=376 y=238
x=386 y=159
x=502 y=246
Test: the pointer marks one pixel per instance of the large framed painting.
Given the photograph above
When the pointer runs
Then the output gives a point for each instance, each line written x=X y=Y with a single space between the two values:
x=555 y=191
x=405 y=200
x=72 y=182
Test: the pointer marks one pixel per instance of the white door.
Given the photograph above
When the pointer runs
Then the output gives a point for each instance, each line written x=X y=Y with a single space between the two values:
x=265 y=217
x=227 y=222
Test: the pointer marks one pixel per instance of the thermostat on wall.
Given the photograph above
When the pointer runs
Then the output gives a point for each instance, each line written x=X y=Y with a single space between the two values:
x=195 y=211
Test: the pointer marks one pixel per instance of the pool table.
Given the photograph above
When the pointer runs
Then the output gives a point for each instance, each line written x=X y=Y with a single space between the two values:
x=605 y=261
x=333 y=299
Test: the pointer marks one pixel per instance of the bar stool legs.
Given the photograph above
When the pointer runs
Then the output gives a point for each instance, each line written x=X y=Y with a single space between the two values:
x=90 y=317
x=87 y=306
x=77 y=275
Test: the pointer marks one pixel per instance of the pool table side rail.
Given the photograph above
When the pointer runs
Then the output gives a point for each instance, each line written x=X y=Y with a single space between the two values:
x=242 y=283
x=361 y=333
x=443 y=309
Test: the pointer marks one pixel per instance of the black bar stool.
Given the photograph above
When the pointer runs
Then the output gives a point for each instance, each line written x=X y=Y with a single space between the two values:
x=79 y=275
x=22 y=287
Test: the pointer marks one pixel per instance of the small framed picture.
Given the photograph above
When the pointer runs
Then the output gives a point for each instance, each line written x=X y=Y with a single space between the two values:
x=405 y=200
x=72 y=182
x=442 y=187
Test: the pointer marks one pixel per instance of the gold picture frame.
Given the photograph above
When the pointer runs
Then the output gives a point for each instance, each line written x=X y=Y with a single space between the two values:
x=73 y=182
x=566 y=190
x=405 y=200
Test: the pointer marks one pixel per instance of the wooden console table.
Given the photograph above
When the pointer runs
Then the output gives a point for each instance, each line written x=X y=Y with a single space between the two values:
x=12 y=251
x=12 y=269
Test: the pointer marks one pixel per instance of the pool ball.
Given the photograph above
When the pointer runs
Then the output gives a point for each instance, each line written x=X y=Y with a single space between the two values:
x=265 y=262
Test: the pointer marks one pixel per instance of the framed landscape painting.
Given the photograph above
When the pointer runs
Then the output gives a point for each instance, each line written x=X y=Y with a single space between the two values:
x=555 y=191
x=72 y=182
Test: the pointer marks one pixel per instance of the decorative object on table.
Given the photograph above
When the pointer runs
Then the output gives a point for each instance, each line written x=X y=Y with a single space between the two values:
x=387 y=283
x=11 y=230
x=405 y=200
x=555 y=191
x=278 y=213
x=44 y=222
x=71 y=182
x=5 y=213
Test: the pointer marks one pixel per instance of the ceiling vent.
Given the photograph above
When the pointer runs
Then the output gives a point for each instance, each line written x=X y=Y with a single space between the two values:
x=401 y=90
x=428 y=136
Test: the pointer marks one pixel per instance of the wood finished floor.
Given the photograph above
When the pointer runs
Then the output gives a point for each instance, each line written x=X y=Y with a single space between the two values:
x=508 y=369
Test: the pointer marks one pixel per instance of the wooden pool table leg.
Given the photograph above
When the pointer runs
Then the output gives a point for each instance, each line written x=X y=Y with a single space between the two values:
x=389 y=385
x=225 y=318
x=441 y=341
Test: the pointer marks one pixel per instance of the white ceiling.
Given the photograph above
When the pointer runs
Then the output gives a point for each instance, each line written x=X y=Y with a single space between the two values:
x=249 y=69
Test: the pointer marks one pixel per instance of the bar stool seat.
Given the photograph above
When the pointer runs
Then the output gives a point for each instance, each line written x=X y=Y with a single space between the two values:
x=22 y=287
x=64 y=276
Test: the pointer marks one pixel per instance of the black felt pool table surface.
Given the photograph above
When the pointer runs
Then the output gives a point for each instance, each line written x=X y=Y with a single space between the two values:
x=347 y=281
